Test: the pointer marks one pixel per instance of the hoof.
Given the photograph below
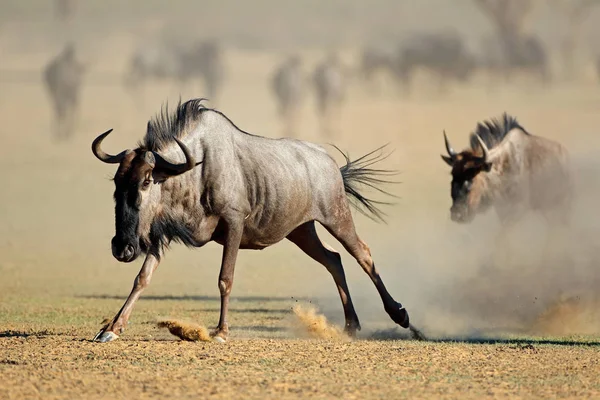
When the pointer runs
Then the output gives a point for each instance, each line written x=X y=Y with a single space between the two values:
x=351 y=329
x=105 y=337
x=219 y=339
x=399 y=315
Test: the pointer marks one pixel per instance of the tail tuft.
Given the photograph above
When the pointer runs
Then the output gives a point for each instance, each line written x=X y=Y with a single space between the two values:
x=360 y=172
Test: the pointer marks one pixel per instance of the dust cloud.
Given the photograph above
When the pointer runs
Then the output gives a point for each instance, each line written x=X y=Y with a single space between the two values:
x=308 y=322
x=466 y=281
x=188 y=331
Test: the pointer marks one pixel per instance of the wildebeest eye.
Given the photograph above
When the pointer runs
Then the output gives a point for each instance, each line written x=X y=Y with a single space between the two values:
x=146 y=184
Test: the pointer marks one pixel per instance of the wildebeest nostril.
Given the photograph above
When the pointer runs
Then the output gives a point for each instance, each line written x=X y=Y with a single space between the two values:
x=128 y=252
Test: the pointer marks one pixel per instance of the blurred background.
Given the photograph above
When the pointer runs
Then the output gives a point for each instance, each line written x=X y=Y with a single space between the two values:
x=355 y=73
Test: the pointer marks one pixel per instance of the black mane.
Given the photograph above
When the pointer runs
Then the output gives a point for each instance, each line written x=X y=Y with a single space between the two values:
x=494 y=130
x=166 y=126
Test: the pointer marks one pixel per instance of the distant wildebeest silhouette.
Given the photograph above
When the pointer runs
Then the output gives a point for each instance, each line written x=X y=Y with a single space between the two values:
x=441 y=53
x=375 y=60
x=63 y=77
x=179 y=63
x=512 y=170
x=288 y=85
x=197 y=178
x=511 y=56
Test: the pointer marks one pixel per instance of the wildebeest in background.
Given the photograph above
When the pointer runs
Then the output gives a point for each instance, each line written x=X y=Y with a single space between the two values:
x=181 y=63
x=375 y=60
x=63 y=78
x=206 y=59
x=329 y=81
x=523 y=55
x=240 y=190
x=440 y=53
x=287 y=84
x=510 y=169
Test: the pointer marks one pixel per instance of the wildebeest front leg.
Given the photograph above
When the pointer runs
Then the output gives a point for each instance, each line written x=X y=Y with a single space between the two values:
x=112 y=330
x=230 y=251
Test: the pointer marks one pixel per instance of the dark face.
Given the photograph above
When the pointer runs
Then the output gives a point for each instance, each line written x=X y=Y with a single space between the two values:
x=138 y=193
x=133 y=182
x=468 y=187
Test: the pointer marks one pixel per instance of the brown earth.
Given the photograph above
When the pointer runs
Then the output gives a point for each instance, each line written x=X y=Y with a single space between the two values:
x=58 y=280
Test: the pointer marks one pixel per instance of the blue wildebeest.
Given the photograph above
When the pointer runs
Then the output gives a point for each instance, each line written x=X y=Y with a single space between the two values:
x=206 y=60
x=374 y=60
x=245 y=192
x=181 y=63
x=63 y=77
x=510 y=169
x=329 y=80
x=441 y=53
x=504 y=58
x=287 y=84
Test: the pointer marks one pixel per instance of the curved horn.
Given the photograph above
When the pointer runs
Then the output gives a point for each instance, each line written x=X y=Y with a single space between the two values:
x=101 y=155
x=449 y=148
x=486 y=152
x=177 y=169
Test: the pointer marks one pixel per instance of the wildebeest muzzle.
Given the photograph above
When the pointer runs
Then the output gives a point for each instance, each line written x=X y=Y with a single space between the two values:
x=124 y=250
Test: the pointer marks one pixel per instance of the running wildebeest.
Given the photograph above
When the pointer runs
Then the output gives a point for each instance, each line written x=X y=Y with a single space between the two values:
x=329 y=84
x=510 y=169
x=63 y=78
x=442 y=53
x=240 y=190
x=181 y=63
x=287 y=84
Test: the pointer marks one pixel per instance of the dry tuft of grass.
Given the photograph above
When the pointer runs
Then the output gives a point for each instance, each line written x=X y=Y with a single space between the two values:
x=186 y=330
x=309 y=323
x=568 y=316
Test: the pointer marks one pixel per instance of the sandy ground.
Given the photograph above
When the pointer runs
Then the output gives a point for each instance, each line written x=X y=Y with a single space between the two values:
x=59 y=280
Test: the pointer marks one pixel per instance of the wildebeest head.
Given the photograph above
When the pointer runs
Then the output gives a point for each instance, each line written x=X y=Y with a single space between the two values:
x=469 y=186
x=138 y=193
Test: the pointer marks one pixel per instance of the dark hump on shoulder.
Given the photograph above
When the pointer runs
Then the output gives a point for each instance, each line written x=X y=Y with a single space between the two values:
x=494 y=130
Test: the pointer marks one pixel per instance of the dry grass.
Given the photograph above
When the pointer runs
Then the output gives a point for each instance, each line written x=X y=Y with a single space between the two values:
x=188 y=331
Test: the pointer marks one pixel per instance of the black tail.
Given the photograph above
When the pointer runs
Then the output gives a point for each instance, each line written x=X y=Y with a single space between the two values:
x=359 y=172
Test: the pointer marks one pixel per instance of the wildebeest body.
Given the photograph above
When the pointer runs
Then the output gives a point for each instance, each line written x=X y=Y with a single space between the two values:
x=253 y=176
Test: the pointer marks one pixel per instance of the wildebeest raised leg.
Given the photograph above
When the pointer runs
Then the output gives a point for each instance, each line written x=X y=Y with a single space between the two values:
x=342 y=228
x=306 y=238
x=107 y=333
x=230 y=250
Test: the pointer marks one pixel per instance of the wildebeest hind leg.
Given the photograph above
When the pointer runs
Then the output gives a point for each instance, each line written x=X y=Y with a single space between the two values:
x=306 y=238
x=107 y=333
x=343 y=230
